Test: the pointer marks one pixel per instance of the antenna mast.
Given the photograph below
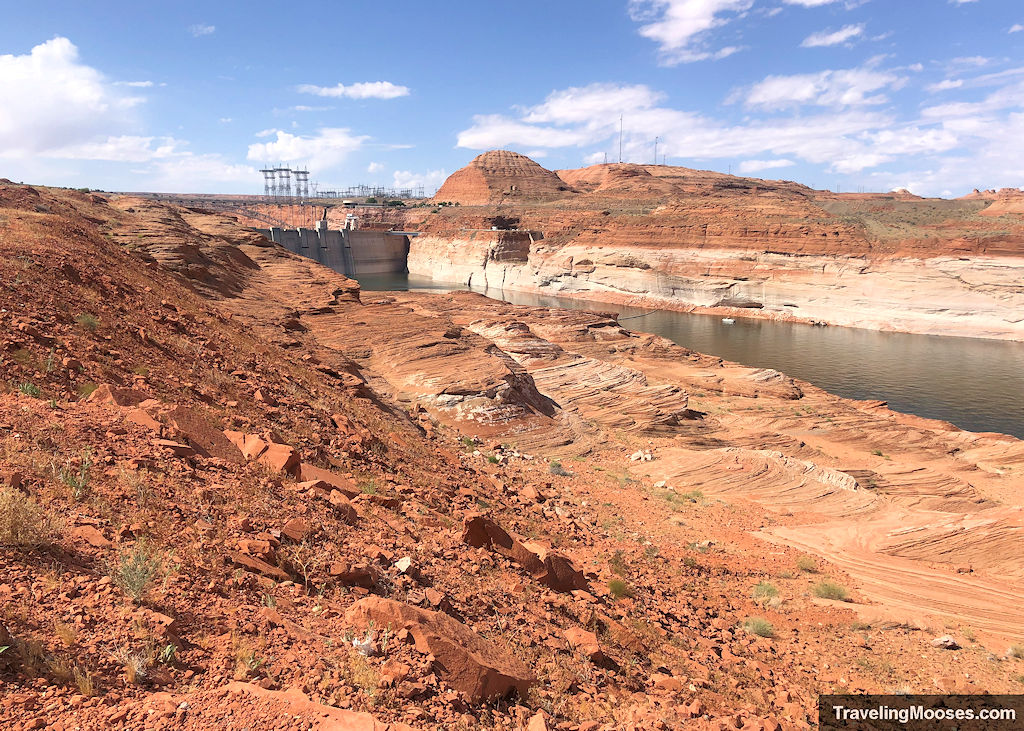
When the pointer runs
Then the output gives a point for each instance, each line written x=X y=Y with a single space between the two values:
x=655 y=150
x=620 y=138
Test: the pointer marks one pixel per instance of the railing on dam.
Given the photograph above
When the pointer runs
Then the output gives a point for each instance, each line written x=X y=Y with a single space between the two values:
x=350 y=251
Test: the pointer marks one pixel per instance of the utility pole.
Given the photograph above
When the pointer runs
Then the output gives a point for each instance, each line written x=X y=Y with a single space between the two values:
x=620 y=138
x=655 y=150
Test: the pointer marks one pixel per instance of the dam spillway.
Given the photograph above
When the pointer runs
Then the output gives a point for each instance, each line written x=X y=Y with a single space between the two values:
x=352 y=252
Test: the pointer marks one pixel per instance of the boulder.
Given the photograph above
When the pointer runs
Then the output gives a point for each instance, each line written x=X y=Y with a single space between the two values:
x=251 y=563
x=352 y=574
x=280 y=458
x=555 y=570
x=480 y=531
x=549 y=567
x=343 y=507
x=293 y=703
x=144 y=419
x=91 y=535
x=202 y=435
x=296 y=529
x=107 y=394
x=946 y=643
x=270 y=452
x=310 y=474
x=465 y=660
x=587 y=643
x=176 y=448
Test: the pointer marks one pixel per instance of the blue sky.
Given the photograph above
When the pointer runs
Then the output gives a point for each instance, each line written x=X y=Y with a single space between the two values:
x=188 y=96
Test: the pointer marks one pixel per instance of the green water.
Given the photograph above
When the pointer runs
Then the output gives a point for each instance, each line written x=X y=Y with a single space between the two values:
x=974 y=383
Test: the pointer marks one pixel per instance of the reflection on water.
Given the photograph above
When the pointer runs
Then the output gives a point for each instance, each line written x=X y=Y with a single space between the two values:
x=973 y=383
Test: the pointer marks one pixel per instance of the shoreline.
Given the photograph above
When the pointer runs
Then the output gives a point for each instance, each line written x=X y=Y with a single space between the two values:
x=654 y=303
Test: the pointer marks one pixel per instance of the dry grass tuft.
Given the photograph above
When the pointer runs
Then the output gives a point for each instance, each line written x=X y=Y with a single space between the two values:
x=23 y=523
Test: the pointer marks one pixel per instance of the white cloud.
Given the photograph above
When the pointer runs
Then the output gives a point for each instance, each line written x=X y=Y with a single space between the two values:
x=961 y=2
x=225 y=120
x=136 y=84
x=52 y=101
x=360 y=90
x=945 y=85
x=849 y=134
x=842 y=88
x=756 y=166
x=125 y=148
x=329 y=146
x=969 y=61
x=681 y=28
x=430 y=180
x=375 y=167
x=810 y=3
x=201 y=29
x=825 y=38
x=1016 y=28
x=188 y=173
x=267 y=132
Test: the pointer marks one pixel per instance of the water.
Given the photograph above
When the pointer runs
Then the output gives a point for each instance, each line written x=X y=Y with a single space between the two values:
x=973 y=383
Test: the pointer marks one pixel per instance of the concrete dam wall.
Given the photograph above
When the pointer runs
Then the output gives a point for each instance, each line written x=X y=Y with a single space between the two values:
x=349 y=251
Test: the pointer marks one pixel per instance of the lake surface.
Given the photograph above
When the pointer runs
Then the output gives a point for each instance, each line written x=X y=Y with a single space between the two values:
x=973 y=383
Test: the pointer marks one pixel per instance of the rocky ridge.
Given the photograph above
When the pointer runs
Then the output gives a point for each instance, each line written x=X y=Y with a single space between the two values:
x=675 y=238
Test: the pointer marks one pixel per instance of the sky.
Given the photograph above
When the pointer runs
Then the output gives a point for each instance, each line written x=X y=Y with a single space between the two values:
x=852 y=95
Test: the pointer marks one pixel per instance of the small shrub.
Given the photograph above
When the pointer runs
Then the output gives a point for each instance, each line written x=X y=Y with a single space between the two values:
x=831 y=590
x=77 y=479
x=247 y=660
x=764 y=592
x=24 y=357
x=492 y=459
x=619 y=588
x=85 y=682
x=136 y=570
x=1016 y=651
x=60 y=669
x=23 y=523
x=29 y=389
x=306 y=560
x=85 y=390
x=556 y=468
x=88 y=321
x=136 y=666
x=808 y=564
x=65 y=633
x=618 y=564
x=368 y=486
x=758 y=626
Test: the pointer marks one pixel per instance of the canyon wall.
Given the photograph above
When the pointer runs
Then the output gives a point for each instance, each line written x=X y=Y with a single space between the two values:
x=689 y=240
x=972 y=297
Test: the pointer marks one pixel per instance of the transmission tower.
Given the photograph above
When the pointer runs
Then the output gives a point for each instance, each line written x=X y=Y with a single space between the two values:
x=302 y=183
x=269 y=182
x=284 y=181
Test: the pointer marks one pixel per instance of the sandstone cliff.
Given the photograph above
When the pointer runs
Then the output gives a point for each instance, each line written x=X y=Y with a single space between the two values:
x=675 y=238
x=498 y=175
